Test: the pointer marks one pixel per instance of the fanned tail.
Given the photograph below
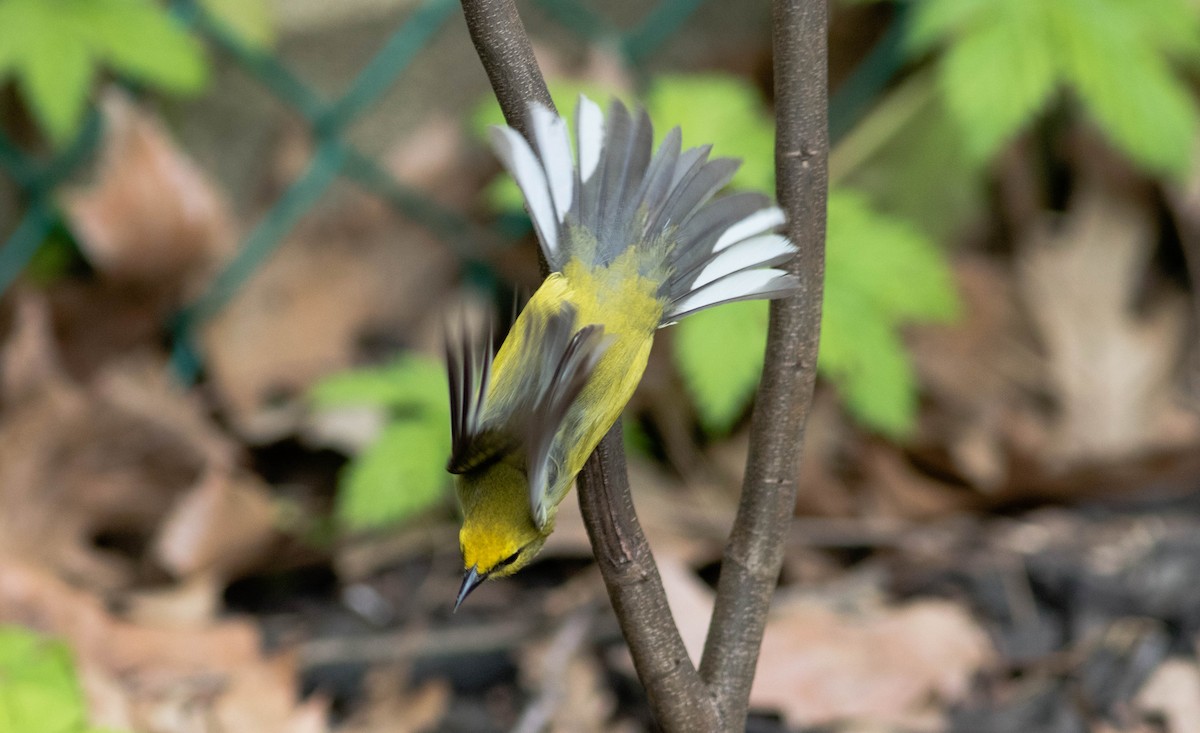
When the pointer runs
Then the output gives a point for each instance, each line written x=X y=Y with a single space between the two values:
x=619 y=195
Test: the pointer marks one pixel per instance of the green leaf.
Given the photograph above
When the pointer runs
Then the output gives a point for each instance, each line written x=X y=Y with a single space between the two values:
x=720 y=355
x=723 y=111
x=879 y=275
x=137 y=38
x=893 y=268
x=39 y=690
x=1005 y=59
x=55 y=48
x=401 y=474
x=993 y=91
x=404 y=470
x=1128 y=88
x=934 y=20
x=409 y=381
x=55 y=74
x=862 y=354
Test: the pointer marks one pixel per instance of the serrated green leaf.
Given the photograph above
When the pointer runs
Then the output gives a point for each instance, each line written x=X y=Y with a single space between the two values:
x=862 y=354
x=879 y=275
x=55 y=75
x=896 y=269
x=720 y=356
x=409 y=381
x=136 y=38
x=1005 y=58
x=932 y=21
x=401 y=474
x=993 y=91
x=13 y=23
x=54 y=49
x=1128 y=88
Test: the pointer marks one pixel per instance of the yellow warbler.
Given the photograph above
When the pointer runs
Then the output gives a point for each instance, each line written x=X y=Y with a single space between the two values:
x=635 y=242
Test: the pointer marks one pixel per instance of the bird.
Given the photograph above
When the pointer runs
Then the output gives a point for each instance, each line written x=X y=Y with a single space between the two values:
x=635 y=239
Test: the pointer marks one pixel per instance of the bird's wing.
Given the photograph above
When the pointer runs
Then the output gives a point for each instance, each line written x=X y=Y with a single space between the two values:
x=568 y=358
x=474 y=444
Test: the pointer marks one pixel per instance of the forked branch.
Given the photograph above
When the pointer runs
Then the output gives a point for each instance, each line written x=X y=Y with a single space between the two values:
x=715 y=697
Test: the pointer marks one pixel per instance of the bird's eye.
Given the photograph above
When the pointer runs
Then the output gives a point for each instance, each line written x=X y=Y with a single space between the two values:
x=507 y=561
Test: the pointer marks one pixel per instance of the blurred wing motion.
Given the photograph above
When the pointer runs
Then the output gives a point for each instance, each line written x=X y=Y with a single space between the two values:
x=549 y=372
x=472 y=445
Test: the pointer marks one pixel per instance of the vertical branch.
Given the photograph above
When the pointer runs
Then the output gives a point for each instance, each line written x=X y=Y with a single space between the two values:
x=678 y=697
x=754 y=554
x=507 y=55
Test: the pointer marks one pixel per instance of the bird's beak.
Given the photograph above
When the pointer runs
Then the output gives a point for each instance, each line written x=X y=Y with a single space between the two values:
x=471 y=580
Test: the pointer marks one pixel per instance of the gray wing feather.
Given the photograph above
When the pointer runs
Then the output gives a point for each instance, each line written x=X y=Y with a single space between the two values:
x=473 y=444
x=576 y=356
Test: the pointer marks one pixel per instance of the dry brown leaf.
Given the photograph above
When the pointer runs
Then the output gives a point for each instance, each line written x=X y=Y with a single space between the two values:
x=220 y=526
x=981 y=371
x=152 y=215
x=211 y=678
x=1113 y=367
x=889 y=666
x=115 y=457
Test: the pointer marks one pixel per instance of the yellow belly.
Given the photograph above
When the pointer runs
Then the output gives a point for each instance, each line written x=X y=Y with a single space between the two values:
x=626 y=305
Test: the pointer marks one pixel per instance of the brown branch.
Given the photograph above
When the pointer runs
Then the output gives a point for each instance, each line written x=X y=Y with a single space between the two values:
x=678 y=697
x=754 y=554
x=507 y=55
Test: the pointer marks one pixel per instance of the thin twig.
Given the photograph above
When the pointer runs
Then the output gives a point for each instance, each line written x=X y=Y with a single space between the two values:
x=754 y=555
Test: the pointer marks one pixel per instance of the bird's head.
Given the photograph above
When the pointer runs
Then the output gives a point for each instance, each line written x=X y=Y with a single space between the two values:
x=498 y=535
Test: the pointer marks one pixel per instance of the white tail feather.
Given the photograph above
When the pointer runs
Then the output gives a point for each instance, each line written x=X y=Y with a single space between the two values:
x=554 y=148
x=738 y=286
x=769 y=249
x=524 y=166
x=589 y=131
x=755 y=224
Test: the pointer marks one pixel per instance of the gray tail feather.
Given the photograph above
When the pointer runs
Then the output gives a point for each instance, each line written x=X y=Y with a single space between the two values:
x=718 y=250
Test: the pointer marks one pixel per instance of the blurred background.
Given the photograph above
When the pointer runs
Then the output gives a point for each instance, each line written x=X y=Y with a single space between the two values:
x=231 y=231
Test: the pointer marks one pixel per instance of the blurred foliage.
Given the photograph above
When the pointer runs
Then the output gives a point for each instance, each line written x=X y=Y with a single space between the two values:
x=404 y=471
x=907 y=157
x=870 y=256
x=39 y=690
x=56 y=50
x=1004 y=61
x=250 y=20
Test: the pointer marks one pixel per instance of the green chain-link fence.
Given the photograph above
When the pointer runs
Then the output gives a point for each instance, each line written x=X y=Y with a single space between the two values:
x=334 y=156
